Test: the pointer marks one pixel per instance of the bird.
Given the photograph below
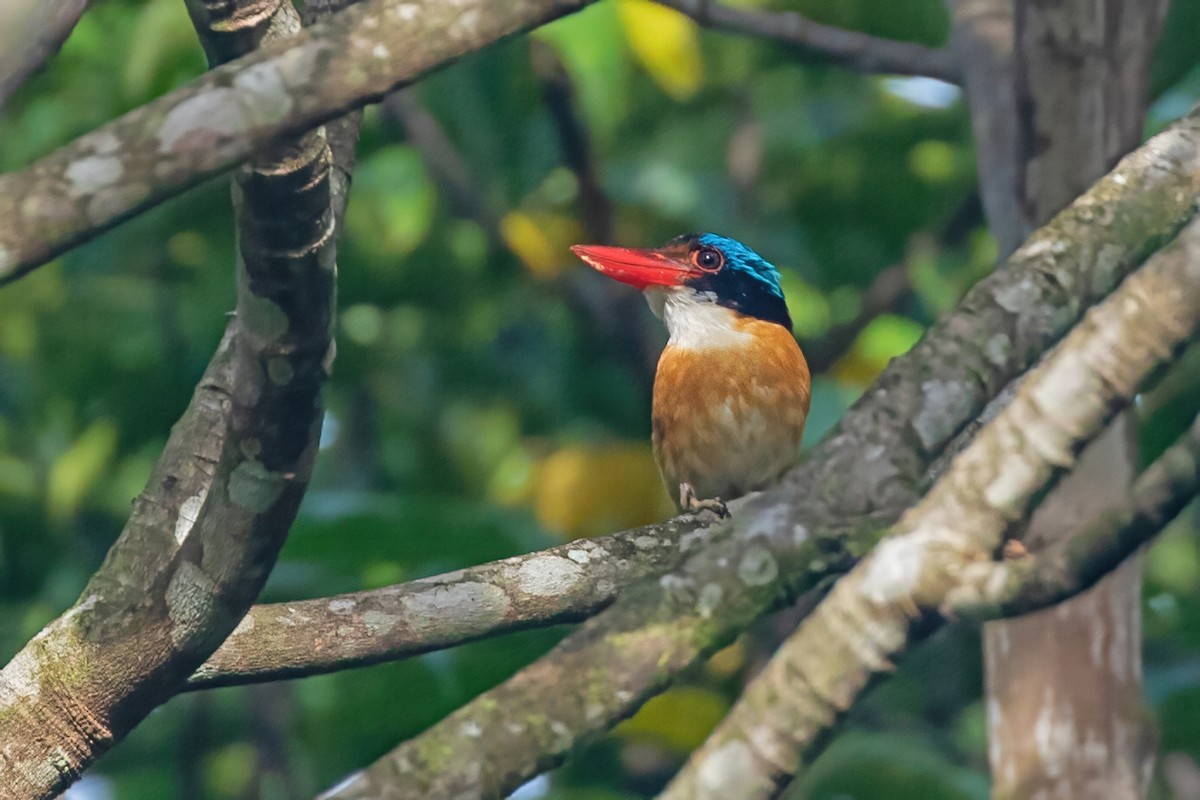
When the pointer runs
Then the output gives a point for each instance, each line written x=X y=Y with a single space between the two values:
x=732 y=389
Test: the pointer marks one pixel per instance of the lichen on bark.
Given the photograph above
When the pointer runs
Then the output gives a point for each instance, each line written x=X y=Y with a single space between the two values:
x=231 y=112
x=938 y=555
x=432 y=613
x=654 y=629
x=204 y=534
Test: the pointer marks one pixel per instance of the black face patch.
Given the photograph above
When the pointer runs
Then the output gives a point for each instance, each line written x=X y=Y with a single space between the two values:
x=735 y=287
x=745 y=294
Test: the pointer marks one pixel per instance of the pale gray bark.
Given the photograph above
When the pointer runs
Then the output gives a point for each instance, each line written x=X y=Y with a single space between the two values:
x=220 y=119
x=942 y=552
x=567 y=583
x=1077 y=80
x=31 y=31
x=827 y=512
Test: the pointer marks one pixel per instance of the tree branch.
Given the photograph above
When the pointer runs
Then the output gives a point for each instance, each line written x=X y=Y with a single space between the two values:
x=574 y=140
x=31 y=32
x=567 y=583
x=981 y=36
x=220 y=119
x=853 y=50
x=870 y=469
x=1013 y=587
x=940 y=554
x=204 y=534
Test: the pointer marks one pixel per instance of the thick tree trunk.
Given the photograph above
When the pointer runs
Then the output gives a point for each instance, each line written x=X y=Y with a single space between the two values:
x=1063 y=687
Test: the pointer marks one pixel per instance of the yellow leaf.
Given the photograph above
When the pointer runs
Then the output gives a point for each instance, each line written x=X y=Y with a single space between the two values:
x=666 y=44
x=725 y=662
x=540 y=240
x=584 y=490
x=680 y=718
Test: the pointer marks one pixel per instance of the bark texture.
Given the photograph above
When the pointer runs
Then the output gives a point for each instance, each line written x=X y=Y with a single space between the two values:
x=784 y=540
x=1160 y=493
x=568 y=583
x=194 y=554
x=935 y=554
x=1081 y=69
x=154 y=152
x=204 y=534
x=1063 y=722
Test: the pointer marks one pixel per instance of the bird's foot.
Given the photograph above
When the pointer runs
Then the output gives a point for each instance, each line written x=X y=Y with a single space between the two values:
x=1014 y=549
x=694 y=505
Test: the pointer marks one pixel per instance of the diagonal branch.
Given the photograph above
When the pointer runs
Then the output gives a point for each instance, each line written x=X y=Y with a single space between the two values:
x=567 y=583
x=940 y=553
x=828 y=510
x=220 y=119
x=1019 y=586
x=31 y=31
x=853 y=50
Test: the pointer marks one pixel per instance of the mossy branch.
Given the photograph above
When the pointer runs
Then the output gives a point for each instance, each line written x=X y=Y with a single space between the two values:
x=567 y=583
x=867 y=471
x=942 y=554
x=219 y=120
x=204 y=534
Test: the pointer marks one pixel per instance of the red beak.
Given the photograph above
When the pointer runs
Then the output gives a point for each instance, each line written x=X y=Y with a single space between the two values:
x=638 y=268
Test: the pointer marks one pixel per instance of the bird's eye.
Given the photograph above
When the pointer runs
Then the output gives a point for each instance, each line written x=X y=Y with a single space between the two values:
x=708 y=259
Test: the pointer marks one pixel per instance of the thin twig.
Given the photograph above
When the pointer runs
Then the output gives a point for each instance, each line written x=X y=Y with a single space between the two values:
x=1022 y=585
x=850 y=49
x=615 y=317
x=442 y=158
x=558 y=92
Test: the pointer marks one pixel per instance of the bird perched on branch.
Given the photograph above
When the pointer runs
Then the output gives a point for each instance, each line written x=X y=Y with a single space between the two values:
x=731 y=393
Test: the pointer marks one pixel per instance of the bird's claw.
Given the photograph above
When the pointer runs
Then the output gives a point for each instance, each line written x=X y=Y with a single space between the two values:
x=694 y=505
x=1014 y=549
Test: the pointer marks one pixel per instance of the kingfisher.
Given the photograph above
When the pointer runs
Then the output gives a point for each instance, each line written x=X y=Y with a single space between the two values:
x=732 y=388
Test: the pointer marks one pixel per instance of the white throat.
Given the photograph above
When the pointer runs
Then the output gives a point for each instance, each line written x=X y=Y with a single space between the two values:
x=694 y=320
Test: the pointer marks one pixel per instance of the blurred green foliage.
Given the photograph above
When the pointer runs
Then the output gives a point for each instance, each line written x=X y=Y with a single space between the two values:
x=477 y=408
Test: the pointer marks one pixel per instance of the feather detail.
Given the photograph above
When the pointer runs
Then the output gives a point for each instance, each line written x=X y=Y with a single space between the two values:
x=728 y=420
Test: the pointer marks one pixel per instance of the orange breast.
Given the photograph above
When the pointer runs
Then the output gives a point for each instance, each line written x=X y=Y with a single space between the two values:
x=729 y=420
